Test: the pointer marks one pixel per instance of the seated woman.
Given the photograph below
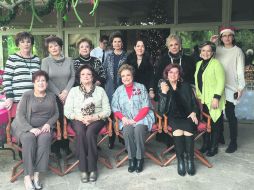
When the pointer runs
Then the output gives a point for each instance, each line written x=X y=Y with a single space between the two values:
x=130 y=104
x=177 y=101
x=210 y=86
x=36 y=116
x=87 y=106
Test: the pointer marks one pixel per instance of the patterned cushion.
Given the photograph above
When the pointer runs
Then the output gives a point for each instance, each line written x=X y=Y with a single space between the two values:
x=201 y=126
x=154 y=127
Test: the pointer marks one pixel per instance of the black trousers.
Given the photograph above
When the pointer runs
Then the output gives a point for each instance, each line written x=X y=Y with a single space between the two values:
x=232 y=120
x=86 y=144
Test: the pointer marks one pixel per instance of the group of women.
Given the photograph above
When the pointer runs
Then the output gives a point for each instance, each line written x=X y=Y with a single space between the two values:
x=62 y=87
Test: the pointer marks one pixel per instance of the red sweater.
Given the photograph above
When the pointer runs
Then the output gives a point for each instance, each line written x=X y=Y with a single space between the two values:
x=142 y=112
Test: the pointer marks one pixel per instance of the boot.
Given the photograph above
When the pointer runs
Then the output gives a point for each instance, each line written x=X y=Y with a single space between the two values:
x=139 y=167
x=232 y=147
x=179 y=147
x=189 y=148
x=221 y=138
x=132 y=165
x=206 y=143
x=214 y=142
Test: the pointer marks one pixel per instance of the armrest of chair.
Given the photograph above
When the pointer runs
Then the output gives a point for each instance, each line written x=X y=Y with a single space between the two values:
x=208 y=117
x=8 y=129
x=58 y=130
x=109 y=126
x=116 y=126
x=65 y=132
x=165 y=126
x=159 y=119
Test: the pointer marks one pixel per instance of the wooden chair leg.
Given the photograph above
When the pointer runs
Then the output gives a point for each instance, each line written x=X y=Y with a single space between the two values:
x=200 y=157
x=68 y=169
x=153 y=158
x=15 y=174
x=121 y=162
x=167 y=150
x=105 y=162
x=168 y=161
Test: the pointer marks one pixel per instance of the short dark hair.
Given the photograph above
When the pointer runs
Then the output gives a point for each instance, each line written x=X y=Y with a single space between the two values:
x=171 y=66
x=39 y=74
x=84 y=40
x=140 y=40
x=103 y=37
x=53 y=38
x=208 y=43
x=23 y=35
x=114 y=35
x=88 y=67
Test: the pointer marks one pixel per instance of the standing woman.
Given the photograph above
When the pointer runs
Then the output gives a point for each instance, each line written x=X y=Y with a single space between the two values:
x=84 y=47
x=210 y=84
x=17 y=78
x=33 y=126
x=87 y=107
x=175 y=55
x=131 y=105
x=61 y=78
x=113 y=62
x=141 y=62
x=232 y=59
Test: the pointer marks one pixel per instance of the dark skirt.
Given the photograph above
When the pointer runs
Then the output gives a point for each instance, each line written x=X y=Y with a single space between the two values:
x=182 y=124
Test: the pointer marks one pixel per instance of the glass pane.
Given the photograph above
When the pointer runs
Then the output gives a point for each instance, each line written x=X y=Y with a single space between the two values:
x=135 y=12
x=9 y=46
x=24 y=17
x=197 y=11
x=245 y=40
x=74 y=38
x=242 y=10
x=83 y=12
x=155 y=40
x=191 y=40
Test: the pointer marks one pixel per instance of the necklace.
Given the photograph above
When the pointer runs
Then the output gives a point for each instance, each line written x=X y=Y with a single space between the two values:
x=204 y=65
x=84 y=59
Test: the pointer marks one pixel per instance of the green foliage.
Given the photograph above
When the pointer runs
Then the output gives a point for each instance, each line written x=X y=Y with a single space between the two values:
x=245 y=39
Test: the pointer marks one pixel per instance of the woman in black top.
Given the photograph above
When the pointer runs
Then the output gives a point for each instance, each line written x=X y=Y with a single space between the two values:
x=175 y=55
x=141 y=62
x=85 y=46
x=177 y=101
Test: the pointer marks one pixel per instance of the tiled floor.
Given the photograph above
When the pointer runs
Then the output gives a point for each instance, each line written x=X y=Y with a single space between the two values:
x=229 y=172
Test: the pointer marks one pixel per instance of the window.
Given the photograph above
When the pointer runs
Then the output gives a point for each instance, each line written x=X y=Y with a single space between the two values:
x=242 y=10
x=197 y=11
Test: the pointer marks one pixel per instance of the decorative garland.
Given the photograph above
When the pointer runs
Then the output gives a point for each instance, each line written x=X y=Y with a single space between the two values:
x=4 y=20
x=62 y=6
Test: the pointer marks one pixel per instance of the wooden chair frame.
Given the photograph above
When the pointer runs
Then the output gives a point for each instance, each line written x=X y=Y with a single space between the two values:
x=149 y=153
x=197 y=153
x=68 y=167
x=16 y=171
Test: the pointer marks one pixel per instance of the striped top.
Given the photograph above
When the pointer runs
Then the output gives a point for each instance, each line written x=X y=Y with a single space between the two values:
x=17 y=77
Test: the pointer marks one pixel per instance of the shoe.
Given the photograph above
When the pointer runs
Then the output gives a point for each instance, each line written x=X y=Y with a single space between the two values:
x=139 y=166
x=214 y=143
x=189 y=147
x=93 y=176
x=84 y=177
x=232 y=147
x=179 y=147
x=37 y=185
x=132 y=165
x=29 y=186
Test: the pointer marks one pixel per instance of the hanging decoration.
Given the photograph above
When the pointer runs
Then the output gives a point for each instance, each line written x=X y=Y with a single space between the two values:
x=62 y=6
